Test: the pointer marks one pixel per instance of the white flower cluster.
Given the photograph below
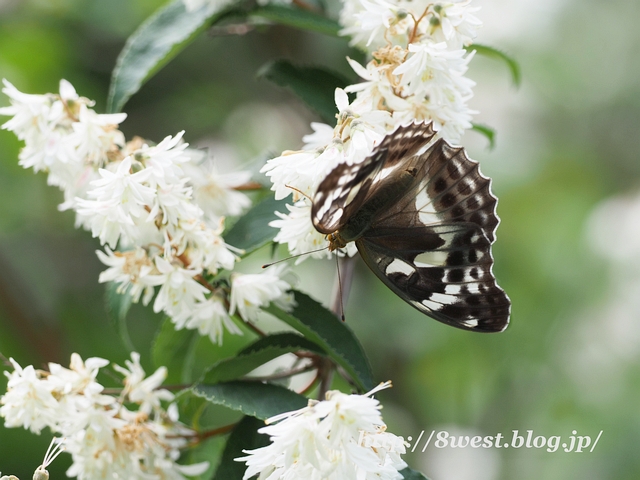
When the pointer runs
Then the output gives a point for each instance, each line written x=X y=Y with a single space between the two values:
x=416 y=74
x=160 y=204
x=106 y=436
x=340 y=438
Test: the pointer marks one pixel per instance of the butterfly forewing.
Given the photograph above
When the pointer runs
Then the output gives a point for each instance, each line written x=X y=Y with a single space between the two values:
x=347 y=187
x=425 y=224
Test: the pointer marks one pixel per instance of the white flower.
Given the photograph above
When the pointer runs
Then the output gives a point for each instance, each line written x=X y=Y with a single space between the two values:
x=173 y=202
x=120 y=200
x=367 y=20
x=80 y=377
x=214 y=192
x=132 y=270
x=297 y=231
x=204 y=246
x=29 y=401
x=180 y=291
x=457 y=24
x=293 y=169
x=94 y=135
x=340 y=438
x=165 y=159
x=210 y=318
x=321 y=137
x=29 y=112
x=434 y=72
x=249 y=292
x=141 y=390
x=360 y=129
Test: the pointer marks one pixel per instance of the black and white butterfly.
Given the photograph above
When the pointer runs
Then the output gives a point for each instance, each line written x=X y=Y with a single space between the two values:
x=424 y=223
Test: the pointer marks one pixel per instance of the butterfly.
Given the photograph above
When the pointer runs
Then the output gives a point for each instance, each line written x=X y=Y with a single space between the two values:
x=423 y=222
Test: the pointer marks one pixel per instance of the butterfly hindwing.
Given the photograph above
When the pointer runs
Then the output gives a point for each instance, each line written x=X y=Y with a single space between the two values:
x=443 y=271
x=347 y=187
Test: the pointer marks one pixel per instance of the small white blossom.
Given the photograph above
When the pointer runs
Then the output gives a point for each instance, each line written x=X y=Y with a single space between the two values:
x=121 y=198
x=210 y=318
x=165 y=159
x=322 y=135
x=214 y=192
x=30 y=112
x=132 y=270
x=95 y=135
x=340 y=438
x=204 y=246
x=252 y=291
x=80 y=377
x=173 y=203
x=179 y=291
x=141 y=390
x=366 y=21
x=29 y=401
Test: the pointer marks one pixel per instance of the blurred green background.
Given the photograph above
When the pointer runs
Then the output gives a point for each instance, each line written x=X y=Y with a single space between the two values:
x=567 y=142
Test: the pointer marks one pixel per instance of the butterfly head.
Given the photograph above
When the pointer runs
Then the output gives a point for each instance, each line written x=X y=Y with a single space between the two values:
x=336 y=241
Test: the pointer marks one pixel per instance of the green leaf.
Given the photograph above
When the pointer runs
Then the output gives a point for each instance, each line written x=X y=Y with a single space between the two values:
x=252 y=230
x=322 y=327
x=260 y=400
x=491 y=52
x=210 y=451
x=315 y=86
x=187 y=354
x=256 y=354
x=410 y=474
x=175 y=349
x=298 y=18
x=488 y=132
x=243 y=437
x=118 y=305
x=160 y=38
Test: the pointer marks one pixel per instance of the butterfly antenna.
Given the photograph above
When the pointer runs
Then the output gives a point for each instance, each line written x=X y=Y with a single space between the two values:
x=299 y=191
x=267 y=265
x=340 y=289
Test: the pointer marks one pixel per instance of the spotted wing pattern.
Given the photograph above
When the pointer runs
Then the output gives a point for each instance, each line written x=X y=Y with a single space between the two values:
x=430 y=234
x=347 y=187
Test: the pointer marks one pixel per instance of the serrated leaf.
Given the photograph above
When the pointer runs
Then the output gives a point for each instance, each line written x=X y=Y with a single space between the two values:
x=410 y=474
x=298 y=18
x=488 y=132
x=244 y=436
x=260 y=400
x=252 y=230
x=118 y=305
x=314 y=85
x=322 y=327
x=257 y=354
x=160 y=38
x=491 y=52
